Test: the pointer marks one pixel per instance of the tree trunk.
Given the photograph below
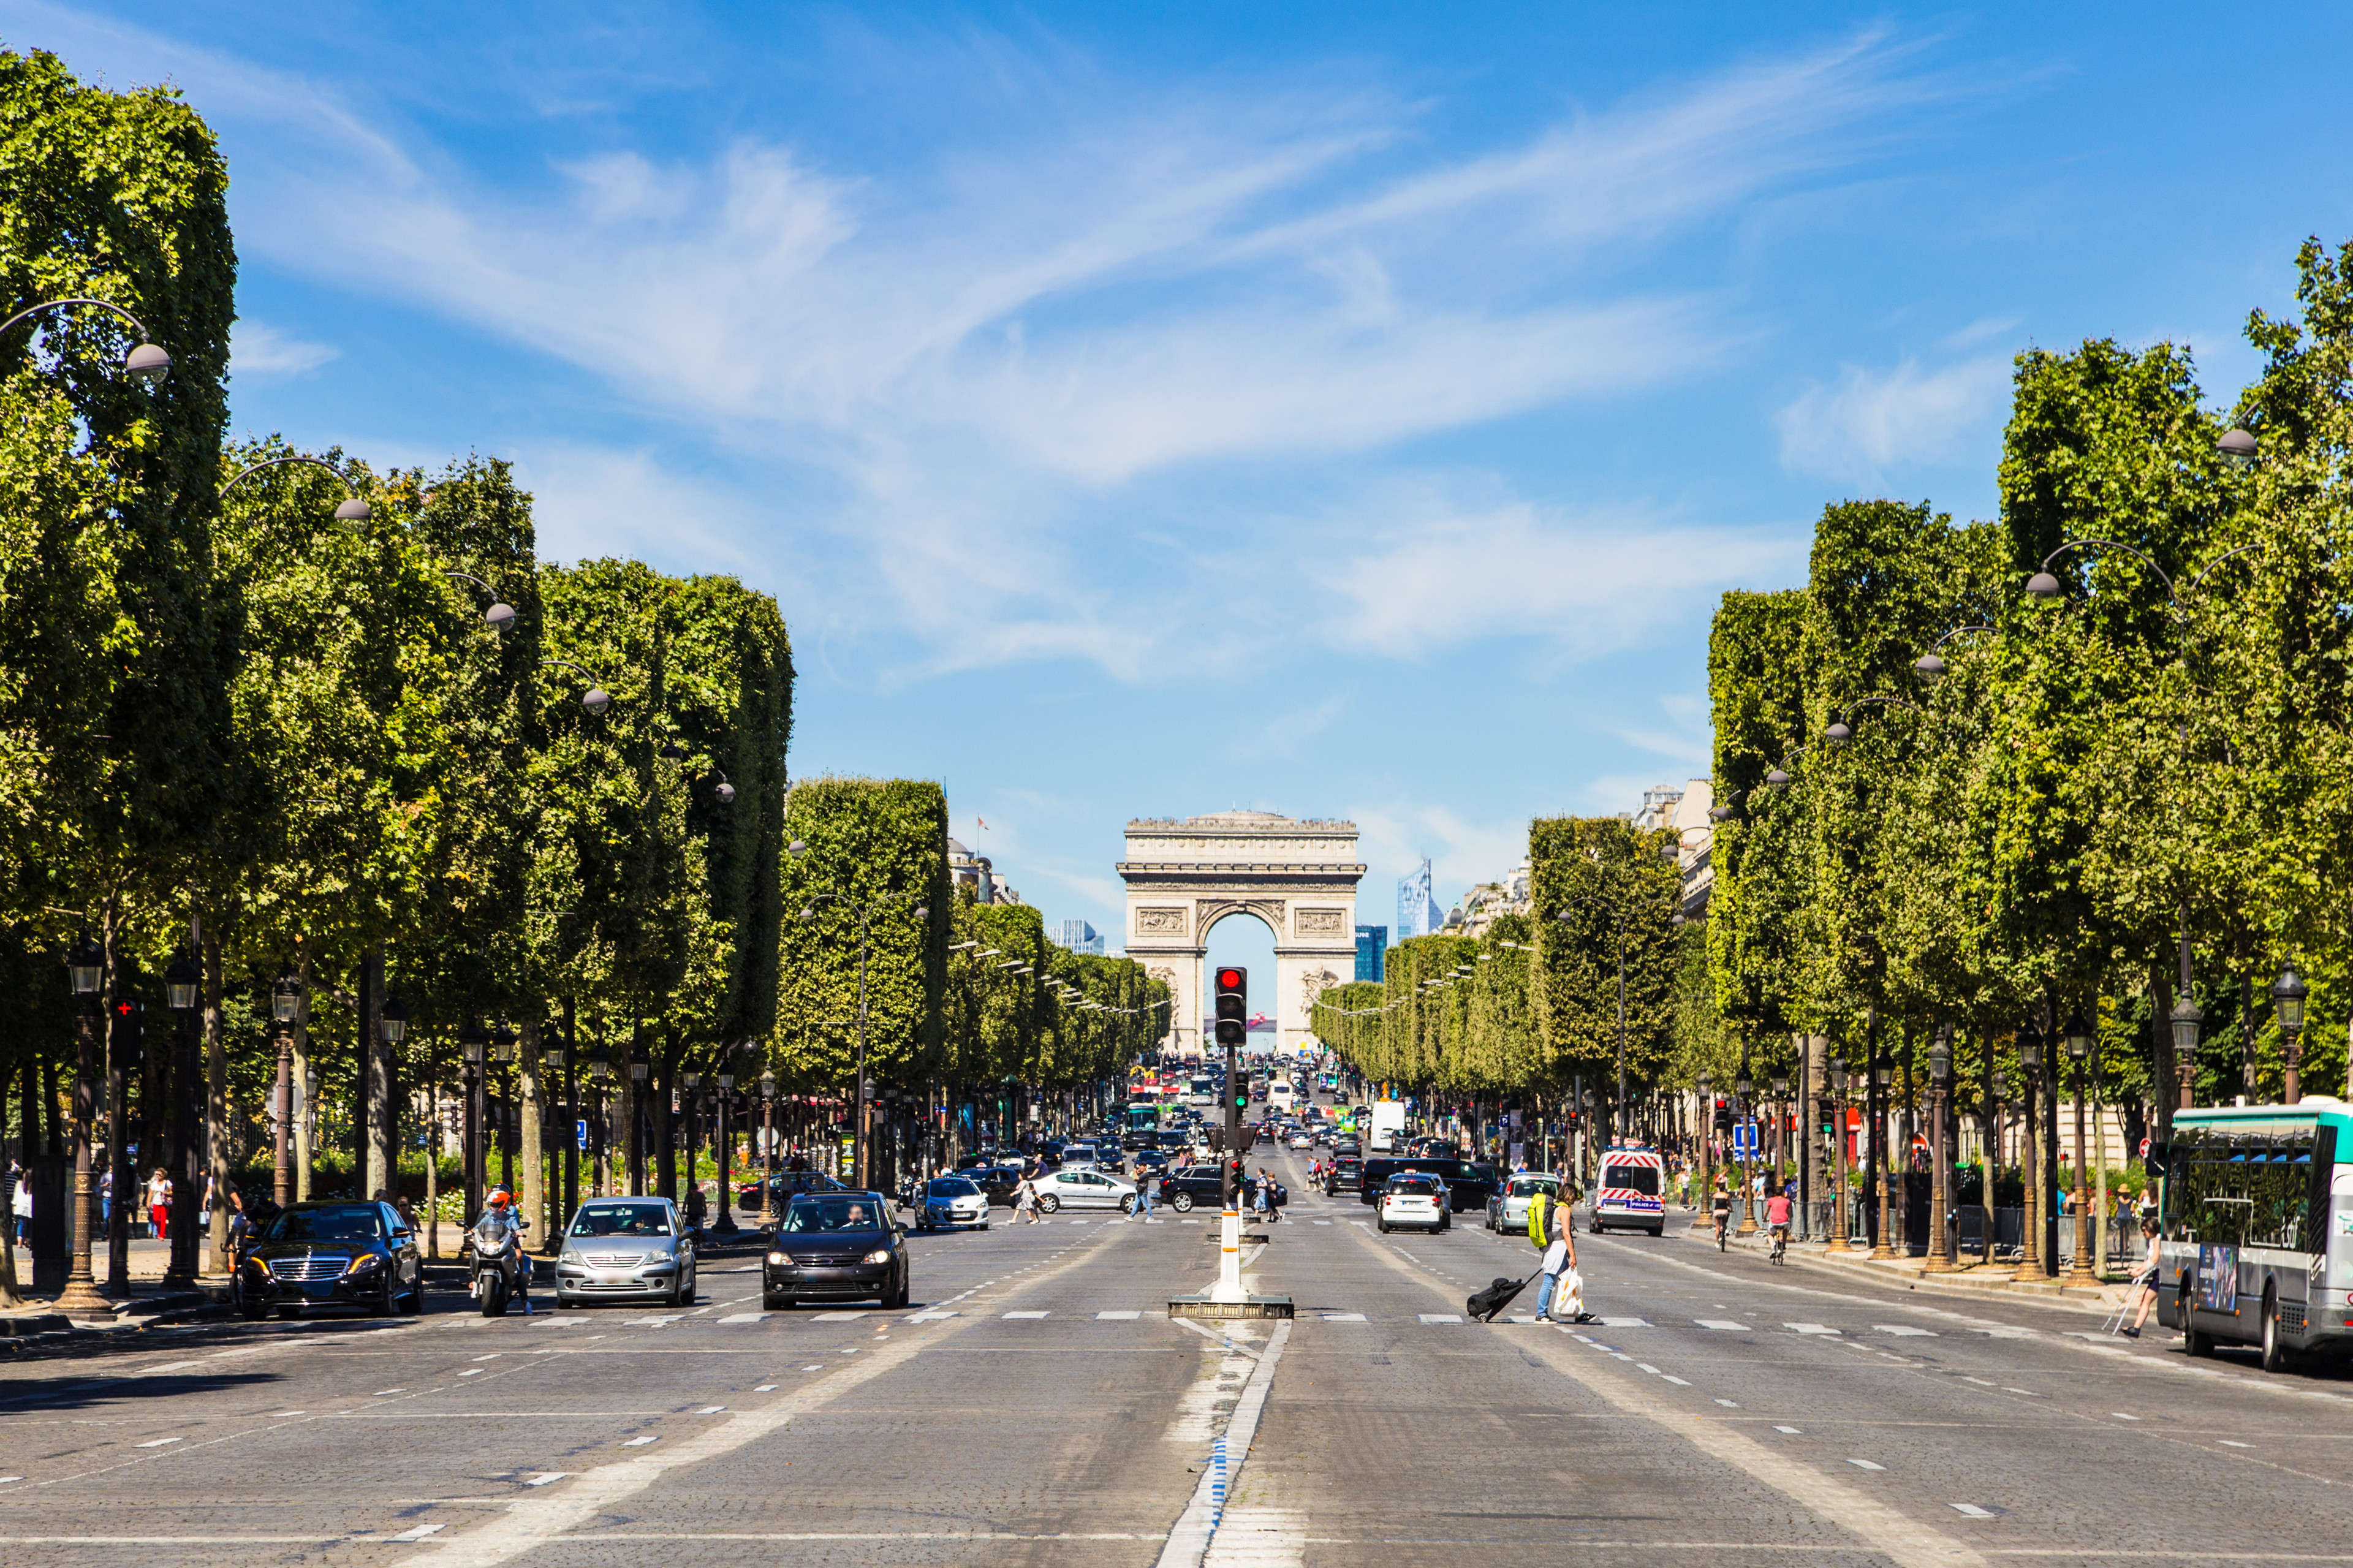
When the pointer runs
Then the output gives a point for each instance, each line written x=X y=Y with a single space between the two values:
x=9 y=1294
x=382 y=1108
x=51 y=1244
x=216 y=1259
x=305 y=1111
x=665 y=1131
x=532 y=1138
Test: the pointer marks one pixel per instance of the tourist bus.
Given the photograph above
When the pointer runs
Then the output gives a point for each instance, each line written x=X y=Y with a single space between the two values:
x=2256 y=1240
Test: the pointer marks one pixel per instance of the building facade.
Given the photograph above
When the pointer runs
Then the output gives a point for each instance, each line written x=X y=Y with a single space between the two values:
x=1078 y=936
x=1372 y=953
x=1417 y=911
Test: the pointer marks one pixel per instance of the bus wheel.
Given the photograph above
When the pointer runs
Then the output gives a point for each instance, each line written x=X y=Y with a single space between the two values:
x=2195 y=1340
x=2276 y=1354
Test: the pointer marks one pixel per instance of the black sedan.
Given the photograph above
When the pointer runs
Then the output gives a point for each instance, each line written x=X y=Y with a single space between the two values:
x=1206 y=1189
x=330 y=1255
x=836 y=1247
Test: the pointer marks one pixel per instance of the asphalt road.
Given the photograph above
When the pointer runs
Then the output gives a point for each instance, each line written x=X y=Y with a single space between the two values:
x=1039 y=1408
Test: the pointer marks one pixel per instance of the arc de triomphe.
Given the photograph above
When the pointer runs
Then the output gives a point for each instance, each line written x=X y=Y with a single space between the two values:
x=1300 y=878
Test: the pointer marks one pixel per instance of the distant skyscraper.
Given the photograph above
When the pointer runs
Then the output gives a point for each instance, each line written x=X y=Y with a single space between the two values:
x=1080 y=937
x=1417 y=913
x=1372 y=951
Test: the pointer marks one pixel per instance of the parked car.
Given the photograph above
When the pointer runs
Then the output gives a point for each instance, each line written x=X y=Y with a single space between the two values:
x=952 y=1203
x=1507 y=1208
x=1085 y=1190
x=1412 y=1198
x=836 y=1247
x=330 y=1255
x=619 y=1249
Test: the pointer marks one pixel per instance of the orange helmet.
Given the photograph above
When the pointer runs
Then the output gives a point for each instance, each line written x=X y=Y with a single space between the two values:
x=498 y=1200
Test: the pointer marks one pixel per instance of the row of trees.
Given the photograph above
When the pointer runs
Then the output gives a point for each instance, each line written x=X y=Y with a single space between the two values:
x=312 y=725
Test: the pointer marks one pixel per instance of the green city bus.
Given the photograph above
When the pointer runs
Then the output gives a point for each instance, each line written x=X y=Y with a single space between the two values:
x=2256 y=1239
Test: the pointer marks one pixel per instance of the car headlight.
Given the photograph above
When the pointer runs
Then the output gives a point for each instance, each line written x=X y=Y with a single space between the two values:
x=361 y=1264
x=880 y=1255
x=776 y=1257
x=572 y=1255
x=261 y=1263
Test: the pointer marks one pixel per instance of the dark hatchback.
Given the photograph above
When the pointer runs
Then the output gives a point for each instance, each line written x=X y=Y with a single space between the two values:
x=836 y=1247
x=330 y=1255
x=1468 y=1185
x=995 y=1180
x=1207 y=1190
x=1343 y=1174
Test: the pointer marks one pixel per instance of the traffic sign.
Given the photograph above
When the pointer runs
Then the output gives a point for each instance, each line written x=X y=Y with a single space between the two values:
x=1744 y=1140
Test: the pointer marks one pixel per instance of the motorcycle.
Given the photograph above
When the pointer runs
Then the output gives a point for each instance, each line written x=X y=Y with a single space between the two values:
x=498 y=1264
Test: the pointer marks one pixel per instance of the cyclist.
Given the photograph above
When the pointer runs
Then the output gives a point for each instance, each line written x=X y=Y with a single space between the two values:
x=1777 y=1218
x=1723 y=1203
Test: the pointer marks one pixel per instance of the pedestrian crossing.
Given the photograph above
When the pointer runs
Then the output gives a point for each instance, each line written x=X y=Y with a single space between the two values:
x=710 y=1318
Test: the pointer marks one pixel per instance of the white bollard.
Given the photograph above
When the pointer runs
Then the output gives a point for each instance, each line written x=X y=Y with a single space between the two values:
x=1228 y=1287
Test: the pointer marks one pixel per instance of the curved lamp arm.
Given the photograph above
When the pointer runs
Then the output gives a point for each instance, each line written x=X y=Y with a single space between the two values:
x=2044 y=585
x=354 y=509
x=146 y=362
x=501 y=614
x=597 y=699
x=1838 y=734
x=2241 y=550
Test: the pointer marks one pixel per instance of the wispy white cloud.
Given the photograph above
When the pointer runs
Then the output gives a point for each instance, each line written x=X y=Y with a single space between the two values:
x=256 y=348
x=1691 y=741
x=1871 y=424
x=1462 y=852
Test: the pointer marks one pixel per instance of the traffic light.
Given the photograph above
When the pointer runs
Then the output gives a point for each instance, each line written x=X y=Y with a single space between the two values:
x=1724 y=1116
x=1233 y=1007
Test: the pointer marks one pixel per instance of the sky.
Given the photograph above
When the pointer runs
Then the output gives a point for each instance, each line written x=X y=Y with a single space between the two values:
x=1347 y=410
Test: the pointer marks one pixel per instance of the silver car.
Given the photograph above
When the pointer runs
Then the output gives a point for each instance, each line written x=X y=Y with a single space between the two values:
x=951 y=1203
x=621 y=1249
x=1084 y=1189
x=1507 y=1210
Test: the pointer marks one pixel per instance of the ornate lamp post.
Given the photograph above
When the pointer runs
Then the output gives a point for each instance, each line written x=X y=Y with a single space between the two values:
x=1836 y=1074
x=473 y=1045
x=1940 y=1076
x=2078 y=1037
x=600 y=1067
x=2030 y=1156
x=181 y=991
x=688 y=1081
x=2287 y=996
x=567 y=1171
x=1882 y=1075
x=634 y=1140
x=767 y=1149
x=727 y=1226
x=1780 y=1126
x=285 y=1006
x=2185 y=1018
x=86 y=967
x=1702 y=1215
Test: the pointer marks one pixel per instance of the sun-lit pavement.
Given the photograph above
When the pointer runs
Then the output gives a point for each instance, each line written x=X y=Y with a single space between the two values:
x=1037 y=1406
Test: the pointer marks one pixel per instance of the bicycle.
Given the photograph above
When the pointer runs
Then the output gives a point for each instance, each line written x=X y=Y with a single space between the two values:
x=1780 y=1243
x=1722 y=1232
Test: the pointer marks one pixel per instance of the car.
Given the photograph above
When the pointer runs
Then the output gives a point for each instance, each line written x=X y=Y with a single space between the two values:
x=783 y=1185
x=835 y=1247
x=1149 y=1163
x=1339 y=1097
x=1204 y=1188
x=1467 y=1185
x=620 y=1248
x=996 y=1182
x=1085 y=1190
x=1301 y=1141
x=1078 y=1157
x=952 y=1203
x=1507 y=1207
x=1414 y=1198
x=1343 y=1174
x=360 y=1255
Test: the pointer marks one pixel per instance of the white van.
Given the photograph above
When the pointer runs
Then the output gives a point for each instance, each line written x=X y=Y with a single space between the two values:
x=1631 y=1192
x=1278 y=1098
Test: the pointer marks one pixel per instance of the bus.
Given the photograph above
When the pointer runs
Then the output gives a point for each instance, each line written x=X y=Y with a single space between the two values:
x=2255 y=1239
x=1202 y=1091
x=1278 y=1096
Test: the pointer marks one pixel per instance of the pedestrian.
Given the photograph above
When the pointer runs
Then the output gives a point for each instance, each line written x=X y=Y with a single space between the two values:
x=106 y=1198
x=694 y=1207
x=159 y=1203
x=2145 y=1280
x=25 y=1207
x=407 y=1215
x=1025 y=1201
x=1144 y=1184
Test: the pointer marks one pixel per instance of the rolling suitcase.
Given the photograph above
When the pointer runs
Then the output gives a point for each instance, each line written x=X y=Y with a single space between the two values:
x=1485 y=1304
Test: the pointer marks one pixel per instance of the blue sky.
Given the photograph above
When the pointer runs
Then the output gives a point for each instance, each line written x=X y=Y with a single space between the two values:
x=1339 y=410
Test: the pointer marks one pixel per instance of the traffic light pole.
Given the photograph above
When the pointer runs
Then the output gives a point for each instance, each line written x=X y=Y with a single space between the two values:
x=1233 y=1130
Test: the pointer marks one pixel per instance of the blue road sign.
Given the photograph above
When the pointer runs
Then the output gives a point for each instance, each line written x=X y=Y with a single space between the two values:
x=1744 y=1140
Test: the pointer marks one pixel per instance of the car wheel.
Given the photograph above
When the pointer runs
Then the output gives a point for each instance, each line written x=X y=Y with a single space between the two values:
x=1049 y=1202
x=1127 y=1203
x=685 y=1296
x=382 y=1306
x=984 y=1224
x=1657 y=1230
x=413 y=1303
x=899 y=1297
x=1182 y=1203
x=247 y=1305
x=1383 y=1225
x=2195 y=1340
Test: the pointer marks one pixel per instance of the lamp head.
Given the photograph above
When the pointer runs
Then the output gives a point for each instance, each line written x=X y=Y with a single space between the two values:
x=2042 y=586
x=393 y=1020
x=1838 y=734
x=597 y=699
x=2078 y=1035
x=180 y=982
x=285 y=1000
x=2237 y=446
x=2288 y=992
x=2185 y=1018
x=86 y=966
x=148 y=365
x=797 y=849
x=1930 y=668
x=353 y=511
x=726 y=792
x=500 y=616
x=1777 y=779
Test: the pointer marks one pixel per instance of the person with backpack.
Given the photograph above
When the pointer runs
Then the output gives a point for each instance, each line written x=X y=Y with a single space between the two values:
x=1552 y=1230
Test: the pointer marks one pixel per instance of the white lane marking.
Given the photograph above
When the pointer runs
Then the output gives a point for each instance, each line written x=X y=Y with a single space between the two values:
x=546 y=1478
x=1441 y=1317
x=1809 y=1329
x=1972 y=1510
x=744 y=1318
x=1981 y=1383
x=1679 y=1383
x=2224 y=1441
x=1865 y=1465
x=2028 y=1391
x=1729 y=1403
x=1319 y=1222
x=1905 y=1331
x=710 y=1410
x=1646 y=1366
x=1724 y=1323
x=1343 y=1317
x=1624 y=1323
x=2122 y=1416
x=814 y=1366
x=471 y=1372
x=280 y=1414
x=419 y=1533
x=493 y=1356
x=1259 y=1538
x=1793 y=1431
x=1030 y=1316
x=380 y=1393
x=5 y=1479
x=930 y=1316
x=764 y=1388
x=836 y=1317
x=1192 y=1538
x=654 y=1322
x=639 y=1442
x=1117 y=1316
x=158 y=1443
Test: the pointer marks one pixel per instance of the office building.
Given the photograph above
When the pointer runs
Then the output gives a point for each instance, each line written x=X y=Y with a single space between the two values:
x=1417 y=913
x=1078 y=936
x=1372 y=951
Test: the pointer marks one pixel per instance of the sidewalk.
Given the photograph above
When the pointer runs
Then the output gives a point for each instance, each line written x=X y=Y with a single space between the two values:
x=1912 y=1273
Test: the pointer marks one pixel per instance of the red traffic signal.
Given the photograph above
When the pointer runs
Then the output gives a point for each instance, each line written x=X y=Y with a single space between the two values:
x=1231 y=980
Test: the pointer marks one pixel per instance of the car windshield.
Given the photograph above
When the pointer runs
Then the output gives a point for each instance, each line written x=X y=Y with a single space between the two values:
x=1528 y=1186
x=809 y=1215
x=621 y=1220
x=1421 y=1186
x=350 y=1222
x=952 y=1187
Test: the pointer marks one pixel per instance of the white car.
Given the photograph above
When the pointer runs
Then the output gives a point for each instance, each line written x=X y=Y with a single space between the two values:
x=952 y=1203
x=1412 y=1198
x=1301 y=1140
x=1085 y=1190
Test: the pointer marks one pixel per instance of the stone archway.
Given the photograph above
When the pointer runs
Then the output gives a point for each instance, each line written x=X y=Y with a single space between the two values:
x=1300 y=878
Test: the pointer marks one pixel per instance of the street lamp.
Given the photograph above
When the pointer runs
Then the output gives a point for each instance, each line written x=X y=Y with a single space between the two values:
x=473 y=1045
x=1703 y=1205
x=1882 y=1078
x=86 y=967
x=865 y=913
x=146 y=364
x=2029 y=1161
x=567 y=1174
x=597 y=699
x=2185 y=1018
x=634 y=1139
x=182 y=989
x=285 y=1007
x=1940 y=1076
x=1836 y=1077
x=2287 y=997
x=2078 y=1035
x=726 y=1224
x=1744 y=1089
x=767 y=1149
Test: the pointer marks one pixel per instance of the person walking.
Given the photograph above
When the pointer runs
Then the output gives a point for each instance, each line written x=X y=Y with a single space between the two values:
x=2143 y=1279
x=159 y=1203
x=1025 y=1201
x=1144 y=1185
x=1552 y=1229
x=25 y=1207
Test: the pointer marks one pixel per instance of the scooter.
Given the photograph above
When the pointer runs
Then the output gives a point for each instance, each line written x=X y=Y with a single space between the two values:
x=497 y=1269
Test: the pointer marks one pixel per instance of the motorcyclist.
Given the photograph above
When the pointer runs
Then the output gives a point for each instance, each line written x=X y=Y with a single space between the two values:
x=499 y=1219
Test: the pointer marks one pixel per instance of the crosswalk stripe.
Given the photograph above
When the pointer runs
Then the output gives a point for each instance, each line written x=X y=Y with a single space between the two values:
x=1809 y=1329
x=1721 y=1323
x=1117 y=1316
x=1624 y=1323
x=837 y=1317
x=1441 y=1317
x=1030 y=1315
x=743 y=1318
x=1343 y=1317
x=1905 y=1329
